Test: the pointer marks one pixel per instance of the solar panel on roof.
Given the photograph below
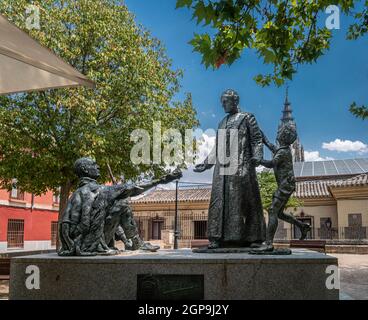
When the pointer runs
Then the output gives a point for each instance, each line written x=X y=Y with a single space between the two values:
x=298 y=168
x=354 y=167
x=319 y=169
x=330 y=168
x=307 y=169
x=363 y=163
x=341 y=167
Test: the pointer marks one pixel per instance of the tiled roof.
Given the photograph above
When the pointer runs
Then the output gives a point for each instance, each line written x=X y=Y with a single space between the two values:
x=360 y=180
x=304 y=190
x=312 y=189
x=168 y=196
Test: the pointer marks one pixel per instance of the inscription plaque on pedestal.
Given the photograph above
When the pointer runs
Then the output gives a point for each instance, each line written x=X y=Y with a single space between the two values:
x=170 y=287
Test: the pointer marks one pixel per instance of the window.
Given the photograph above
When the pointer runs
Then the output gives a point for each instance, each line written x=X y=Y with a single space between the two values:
x=16 y=193
x=355 y=220
x=355 y=230
x=54 y=231
x=15 y=235
x=200 y=230
x=56 y=198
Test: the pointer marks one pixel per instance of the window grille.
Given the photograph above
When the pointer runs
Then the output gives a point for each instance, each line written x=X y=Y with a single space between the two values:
x=15 y=235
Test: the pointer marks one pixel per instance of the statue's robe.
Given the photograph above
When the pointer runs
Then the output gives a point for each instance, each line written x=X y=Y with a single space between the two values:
x=235 y=216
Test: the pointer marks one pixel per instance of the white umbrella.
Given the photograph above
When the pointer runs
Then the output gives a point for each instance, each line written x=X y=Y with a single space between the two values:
x=25 y=65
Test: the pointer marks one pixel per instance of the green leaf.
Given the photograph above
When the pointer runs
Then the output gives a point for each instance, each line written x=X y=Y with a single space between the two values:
x=359 y=111
x=183 y=3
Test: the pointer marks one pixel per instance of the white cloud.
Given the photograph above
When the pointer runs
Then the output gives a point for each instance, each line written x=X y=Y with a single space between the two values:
x=206 y=142
x=205 y=145
x=346 y=146
x=315 y=156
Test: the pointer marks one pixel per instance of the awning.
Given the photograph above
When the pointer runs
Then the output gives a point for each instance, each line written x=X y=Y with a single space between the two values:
x=25 y=65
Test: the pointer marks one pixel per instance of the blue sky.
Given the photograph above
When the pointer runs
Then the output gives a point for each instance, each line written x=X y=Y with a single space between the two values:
x=320 y=93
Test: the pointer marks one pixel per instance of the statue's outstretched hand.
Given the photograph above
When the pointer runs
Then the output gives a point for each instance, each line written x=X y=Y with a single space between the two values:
x=175 y=175
x=199 y=168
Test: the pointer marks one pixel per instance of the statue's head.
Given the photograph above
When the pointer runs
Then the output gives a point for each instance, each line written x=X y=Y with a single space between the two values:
x=230 y=101
x=287 y=134
x=87 y=167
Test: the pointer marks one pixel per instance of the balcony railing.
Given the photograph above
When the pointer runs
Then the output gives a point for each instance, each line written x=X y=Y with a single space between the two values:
x=341 y=233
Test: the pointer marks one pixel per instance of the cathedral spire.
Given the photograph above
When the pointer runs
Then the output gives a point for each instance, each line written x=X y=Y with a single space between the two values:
x=288 y=111
x=287 y=117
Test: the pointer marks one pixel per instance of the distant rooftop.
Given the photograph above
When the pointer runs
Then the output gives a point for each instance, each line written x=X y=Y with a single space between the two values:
x=331 y=168
x=168 y=196
x=357 y=181
x=313 y=189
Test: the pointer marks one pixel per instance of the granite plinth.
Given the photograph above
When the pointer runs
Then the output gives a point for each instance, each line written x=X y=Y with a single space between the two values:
x=300 y=276
x=276 y=252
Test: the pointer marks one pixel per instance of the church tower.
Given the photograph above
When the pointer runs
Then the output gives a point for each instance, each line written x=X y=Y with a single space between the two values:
x=297 y=148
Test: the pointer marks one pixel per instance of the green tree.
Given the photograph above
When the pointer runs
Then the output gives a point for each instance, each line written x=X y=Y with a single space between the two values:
x=42 y=134
x=268 y=186
x=359 y=111
x=283 y=33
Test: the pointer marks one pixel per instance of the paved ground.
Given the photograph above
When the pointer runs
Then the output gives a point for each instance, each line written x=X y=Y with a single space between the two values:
x=354 y=277
x=4 y=289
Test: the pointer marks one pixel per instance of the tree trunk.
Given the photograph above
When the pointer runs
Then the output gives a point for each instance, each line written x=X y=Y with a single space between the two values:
x=64 y=196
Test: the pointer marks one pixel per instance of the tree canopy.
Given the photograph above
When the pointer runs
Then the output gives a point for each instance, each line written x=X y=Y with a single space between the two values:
x=283 y=33
x=43 y=133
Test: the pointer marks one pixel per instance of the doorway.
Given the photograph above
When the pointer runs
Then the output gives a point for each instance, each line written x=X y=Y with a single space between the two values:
x=157 y=227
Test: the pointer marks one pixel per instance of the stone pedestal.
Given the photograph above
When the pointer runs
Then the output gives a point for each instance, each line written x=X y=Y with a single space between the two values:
x=174 y=275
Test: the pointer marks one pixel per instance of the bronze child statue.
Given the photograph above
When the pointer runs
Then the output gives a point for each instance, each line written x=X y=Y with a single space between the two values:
x=282 y=164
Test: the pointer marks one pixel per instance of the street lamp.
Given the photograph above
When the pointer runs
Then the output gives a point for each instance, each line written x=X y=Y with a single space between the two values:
x=176 y=232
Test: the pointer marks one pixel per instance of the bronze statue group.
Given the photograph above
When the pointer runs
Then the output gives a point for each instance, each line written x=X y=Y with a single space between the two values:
x=97 y=215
